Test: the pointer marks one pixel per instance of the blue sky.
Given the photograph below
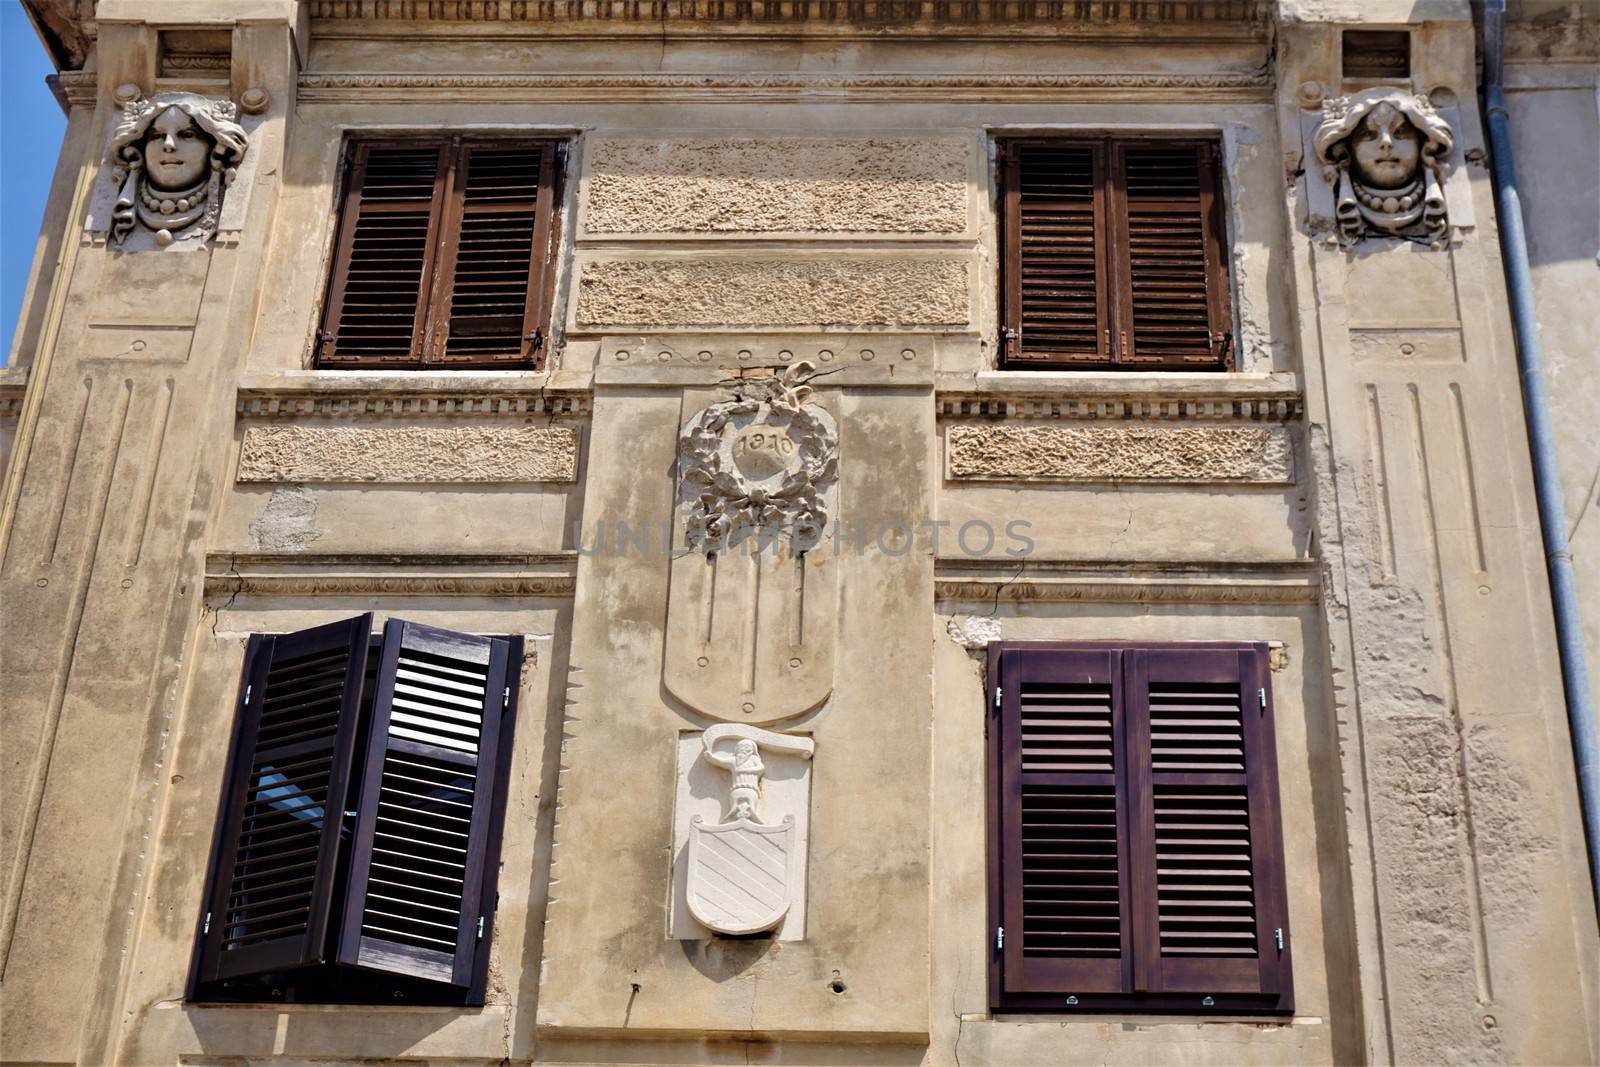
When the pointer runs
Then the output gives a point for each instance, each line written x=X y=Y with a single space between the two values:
x=31 y=127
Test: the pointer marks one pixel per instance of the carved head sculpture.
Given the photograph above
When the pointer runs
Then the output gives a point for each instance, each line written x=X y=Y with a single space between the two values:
x=1382 y=150
x=174 y=156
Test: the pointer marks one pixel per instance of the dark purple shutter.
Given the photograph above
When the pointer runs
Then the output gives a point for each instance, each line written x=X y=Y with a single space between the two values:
x=1063 y=866
x=421 y=840
x=282 y=811
x=1207 y=867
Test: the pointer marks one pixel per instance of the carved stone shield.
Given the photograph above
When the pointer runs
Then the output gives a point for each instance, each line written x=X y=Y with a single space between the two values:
x=740 y=874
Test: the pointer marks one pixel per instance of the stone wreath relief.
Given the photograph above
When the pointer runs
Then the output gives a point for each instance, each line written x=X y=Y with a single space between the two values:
x=760 y=463
x=173 y=157
x=1383 y=152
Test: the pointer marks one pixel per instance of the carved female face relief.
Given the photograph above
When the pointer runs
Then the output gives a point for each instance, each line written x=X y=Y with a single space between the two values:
x=1386 y=149
x=173 y=157
x=1382 y=149
x=176 y=154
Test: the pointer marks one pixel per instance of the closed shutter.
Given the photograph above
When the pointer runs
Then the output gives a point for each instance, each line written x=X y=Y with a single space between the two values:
x=1170 y=278
x=1113 y=255
x=1054 y=263
x=494 y=254
x=1135 y=837
x=1208 y=865
x=428 y=794
x=283 y=808
x=443 y=255
x=1066 y=910
x=388 y=231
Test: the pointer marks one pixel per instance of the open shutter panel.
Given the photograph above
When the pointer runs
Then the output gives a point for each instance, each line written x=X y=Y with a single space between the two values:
x=1056 y=233
x=1208 y=859
x=491 y=273
x=1064 y=865
x=417 y=868
x=283 y=811
x=1171 y=280
x=389 y=226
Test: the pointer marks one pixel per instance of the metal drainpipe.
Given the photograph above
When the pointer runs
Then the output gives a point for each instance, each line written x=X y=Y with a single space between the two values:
x=1541 y=443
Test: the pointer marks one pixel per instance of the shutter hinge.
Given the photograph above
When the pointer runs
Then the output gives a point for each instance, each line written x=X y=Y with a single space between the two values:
x=999 y=938
x=997 y=698
x=1222 y=345
x=205 y=927
x=480 y=928
x=535 y=340
x=1261 y=699
x=1277 y=935
x=247 y=691
x=505 y=700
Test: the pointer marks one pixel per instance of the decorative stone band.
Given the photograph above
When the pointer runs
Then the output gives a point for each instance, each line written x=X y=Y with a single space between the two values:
x=546 y=575
x=874 y=14
x=345 y=88
x=408 y=454
x=1243 y=455
x=1284 y=406
x=367 y=402
x=985 y=582
x=758 y=291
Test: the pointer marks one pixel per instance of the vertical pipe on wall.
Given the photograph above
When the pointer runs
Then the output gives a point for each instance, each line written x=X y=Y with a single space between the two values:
x=1541 y=441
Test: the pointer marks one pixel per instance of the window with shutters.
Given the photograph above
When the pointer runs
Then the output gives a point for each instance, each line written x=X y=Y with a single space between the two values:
x=358 y=832
x=1113 y=255
x=1136 y=860
x=444 y=254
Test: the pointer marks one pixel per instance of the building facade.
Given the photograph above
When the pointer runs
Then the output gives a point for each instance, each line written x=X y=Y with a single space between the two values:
x=799 y=532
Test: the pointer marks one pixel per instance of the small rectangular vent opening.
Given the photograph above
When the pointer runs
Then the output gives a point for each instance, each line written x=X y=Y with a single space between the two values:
x=1377 y=53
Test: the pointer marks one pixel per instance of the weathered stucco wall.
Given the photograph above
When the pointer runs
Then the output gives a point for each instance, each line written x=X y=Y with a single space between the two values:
x=1356 y=493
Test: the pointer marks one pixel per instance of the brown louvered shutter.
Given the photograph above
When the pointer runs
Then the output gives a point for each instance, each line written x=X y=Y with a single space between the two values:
x=1054 y=262
x=490 y=291
x=1170 y=276
x=1207 y=867
x=1064 y=867
x=389 y=226
x=277 y=837
x=421 y=843
x=1113 y=255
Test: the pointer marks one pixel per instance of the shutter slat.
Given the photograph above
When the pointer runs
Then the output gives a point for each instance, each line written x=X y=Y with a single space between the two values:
x=421 y=840
x=278 y=832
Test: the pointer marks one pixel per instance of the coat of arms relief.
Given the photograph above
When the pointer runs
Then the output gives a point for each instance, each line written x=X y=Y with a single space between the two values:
x=752 y=617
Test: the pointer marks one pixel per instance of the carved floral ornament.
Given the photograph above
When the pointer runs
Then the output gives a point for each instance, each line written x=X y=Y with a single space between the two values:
x=763 y=461
x=173 y=157
x=1383 y=152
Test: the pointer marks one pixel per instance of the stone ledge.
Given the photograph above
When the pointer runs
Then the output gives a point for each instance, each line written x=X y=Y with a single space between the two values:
x=454 y=393
x=1119 y=396
x=270 y=575
x=1236 y=455
x=1101 y=582
x=400 y=455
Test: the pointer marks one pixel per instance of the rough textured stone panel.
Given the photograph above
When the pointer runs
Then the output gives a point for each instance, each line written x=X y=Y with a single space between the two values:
x=836 y=291
x=777 y=185
x=404 y=454
x=1251 y=455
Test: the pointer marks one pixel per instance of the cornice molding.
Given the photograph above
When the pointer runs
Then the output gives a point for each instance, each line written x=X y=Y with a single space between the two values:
x=551 y=574
x=11 y=397
x=963 y=581
x=366 y=402
x=353 y=88
x=81 y=88
x=874 y=14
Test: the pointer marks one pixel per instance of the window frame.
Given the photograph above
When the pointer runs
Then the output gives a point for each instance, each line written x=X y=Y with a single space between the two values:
x=328 y=981
x=1113 y=290
x=1269 y=874
x=434 y=291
